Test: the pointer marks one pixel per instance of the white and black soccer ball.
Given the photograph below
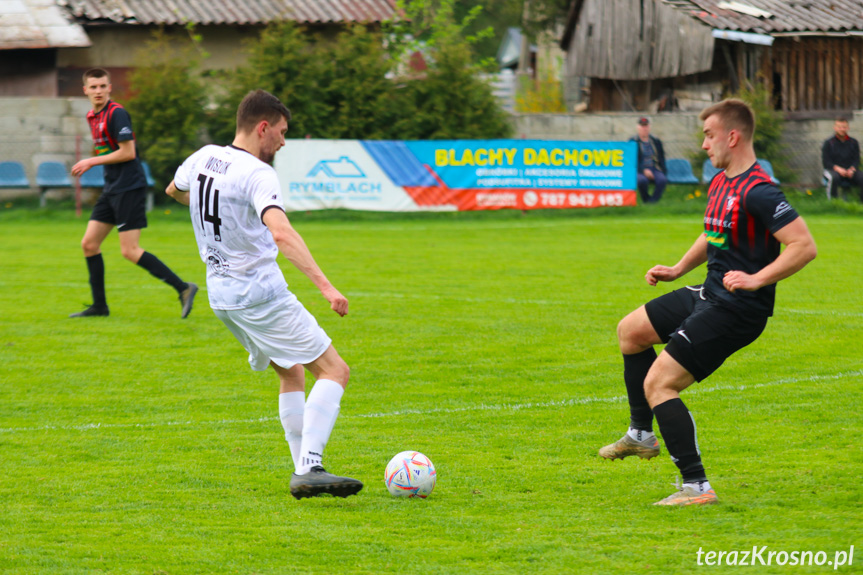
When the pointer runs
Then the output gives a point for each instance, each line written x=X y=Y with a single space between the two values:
x=410 y=474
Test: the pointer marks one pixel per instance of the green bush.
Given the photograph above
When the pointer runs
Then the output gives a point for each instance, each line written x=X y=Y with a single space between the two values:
x=363 y=103
x=167 y=100
x=352 y=86
x=282 y=61
x=451 y=100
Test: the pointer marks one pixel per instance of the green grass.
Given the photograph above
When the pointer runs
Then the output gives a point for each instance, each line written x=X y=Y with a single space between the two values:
x=141 y=444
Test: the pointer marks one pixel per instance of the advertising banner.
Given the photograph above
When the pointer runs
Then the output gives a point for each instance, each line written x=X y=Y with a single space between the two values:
x=456 y=174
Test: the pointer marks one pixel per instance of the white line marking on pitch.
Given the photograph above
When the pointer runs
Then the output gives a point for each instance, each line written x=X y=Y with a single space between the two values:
x=455 y=297
x=829 y=312
x=478 y=407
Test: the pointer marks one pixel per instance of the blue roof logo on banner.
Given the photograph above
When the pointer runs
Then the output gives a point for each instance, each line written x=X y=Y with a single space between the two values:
x=341 y=168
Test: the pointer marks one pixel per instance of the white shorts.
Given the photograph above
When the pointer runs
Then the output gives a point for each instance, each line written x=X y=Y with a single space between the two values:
x=280 y=330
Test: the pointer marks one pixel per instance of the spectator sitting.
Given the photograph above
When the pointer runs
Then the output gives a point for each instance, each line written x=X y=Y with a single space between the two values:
x=840 y=156
x=651 y=163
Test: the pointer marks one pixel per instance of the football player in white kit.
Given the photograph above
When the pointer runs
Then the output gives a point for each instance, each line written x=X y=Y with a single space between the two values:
x=235 y=203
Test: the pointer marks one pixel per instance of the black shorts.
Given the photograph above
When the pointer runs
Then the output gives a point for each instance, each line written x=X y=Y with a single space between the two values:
x=126 y=210
x=701 y=334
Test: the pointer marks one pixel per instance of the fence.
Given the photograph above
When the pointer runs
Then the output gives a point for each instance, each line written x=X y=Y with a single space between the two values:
x=34 y=130
x=679 y=133
x=503 y=87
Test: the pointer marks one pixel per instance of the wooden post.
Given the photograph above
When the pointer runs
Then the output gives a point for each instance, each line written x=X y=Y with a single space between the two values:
x=524 y=54
x=77 y=178
x=784 y=78
x=802 y=62
x=854 y=66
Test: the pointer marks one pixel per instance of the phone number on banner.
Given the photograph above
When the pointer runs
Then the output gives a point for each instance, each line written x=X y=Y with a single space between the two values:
x=532 y=199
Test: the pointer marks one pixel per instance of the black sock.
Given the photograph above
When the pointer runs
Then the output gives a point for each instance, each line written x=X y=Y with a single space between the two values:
x=678 y=432
x=96 y=267
x=635 y=368
x=155 y=266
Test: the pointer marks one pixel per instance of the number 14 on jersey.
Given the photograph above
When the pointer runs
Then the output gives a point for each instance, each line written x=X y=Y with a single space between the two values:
x=204 y=205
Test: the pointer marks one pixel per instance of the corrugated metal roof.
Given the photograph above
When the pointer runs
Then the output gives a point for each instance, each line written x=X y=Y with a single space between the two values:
x=38 y=24
x=785 y=16
x=210 y=12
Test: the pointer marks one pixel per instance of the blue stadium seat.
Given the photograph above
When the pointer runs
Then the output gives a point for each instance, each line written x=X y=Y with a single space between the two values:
x=12 y=175
x=708 y=171
x=150 y=181
x=768 y=167
x=51 y=175
x=825 y=181
x=94 y=177
x=150 y=184
x=680 y=171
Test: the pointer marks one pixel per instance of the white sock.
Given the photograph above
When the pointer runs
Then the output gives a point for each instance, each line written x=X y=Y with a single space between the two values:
x=699 y=486
x=291 y=406
x=322 y=409
x=639 y=434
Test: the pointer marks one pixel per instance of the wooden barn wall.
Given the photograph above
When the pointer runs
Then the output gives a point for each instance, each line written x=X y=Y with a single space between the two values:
x=637 y=40
x=818 y=74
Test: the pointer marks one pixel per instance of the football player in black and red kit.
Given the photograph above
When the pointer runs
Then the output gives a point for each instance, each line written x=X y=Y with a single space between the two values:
x=746 y=222
x=122 y=202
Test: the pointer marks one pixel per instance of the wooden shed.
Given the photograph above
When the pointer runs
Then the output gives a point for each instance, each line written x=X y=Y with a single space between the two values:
x=813 y=64
x=633 y=49
x=808 y=52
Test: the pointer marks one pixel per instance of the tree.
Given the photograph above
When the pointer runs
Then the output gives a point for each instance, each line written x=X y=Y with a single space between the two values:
x=362 y=101
x=357 y=86
x=167 y=101
x=769 y=125
x=499 y=15
x=281 y=61
x=452 y=100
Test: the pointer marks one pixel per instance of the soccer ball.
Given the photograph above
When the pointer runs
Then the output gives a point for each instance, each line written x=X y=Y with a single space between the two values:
x=410 y=474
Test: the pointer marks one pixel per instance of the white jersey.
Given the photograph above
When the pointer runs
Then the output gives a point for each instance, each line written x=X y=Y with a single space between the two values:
x=229 y=190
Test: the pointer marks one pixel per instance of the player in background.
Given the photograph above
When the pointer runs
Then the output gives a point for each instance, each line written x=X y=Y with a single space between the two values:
x=746 y=222
x=240 y=225
x=123 y=200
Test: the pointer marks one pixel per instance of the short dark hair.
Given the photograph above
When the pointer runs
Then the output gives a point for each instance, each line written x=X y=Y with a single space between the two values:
x=733 y=114
x=258 y=106
x=95 y=73
x=840 y=119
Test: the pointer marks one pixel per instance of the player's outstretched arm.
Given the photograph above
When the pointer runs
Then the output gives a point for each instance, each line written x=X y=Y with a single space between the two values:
x=799 y=250
x=293 y=247
x=177 y=194
x=694 y=257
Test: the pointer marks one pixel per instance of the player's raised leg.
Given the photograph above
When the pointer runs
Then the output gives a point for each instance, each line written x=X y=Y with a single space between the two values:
x=637 y=337
x=91 y=244
x=321 y=411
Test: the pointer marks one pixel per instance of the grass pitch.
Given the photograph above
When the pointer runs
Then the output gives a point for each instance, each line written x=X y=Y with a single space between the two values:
x=142 y=443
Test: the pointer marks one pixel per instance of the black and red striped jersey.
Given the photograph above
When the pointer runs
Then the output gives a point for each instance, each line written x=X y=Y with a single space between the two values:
x=741 y=217
x=110 y=126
